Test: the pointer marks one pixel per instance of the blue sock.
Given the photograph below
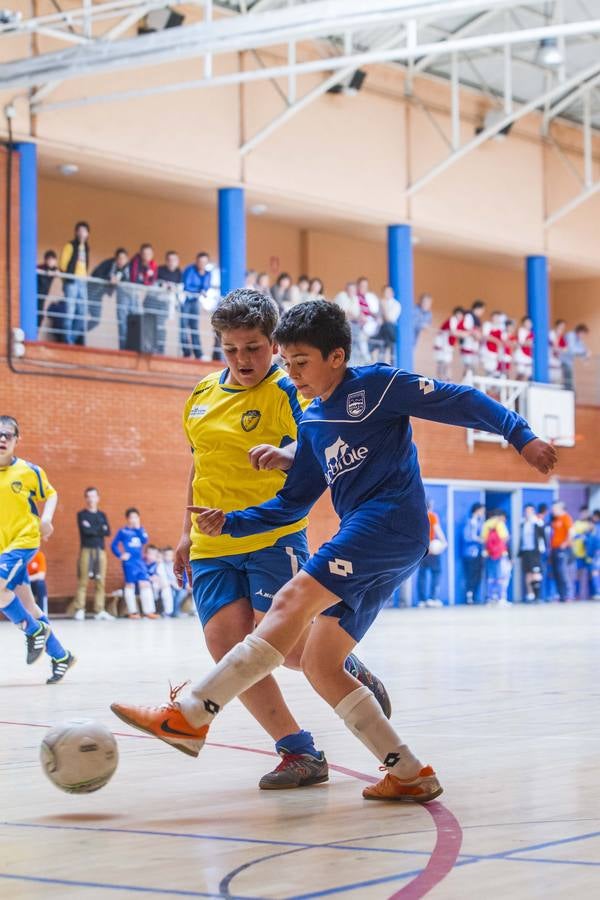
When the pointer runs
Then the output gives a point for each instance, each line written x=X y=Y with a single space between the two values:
x=301 y=742
x=54 y=648
x=18 y=615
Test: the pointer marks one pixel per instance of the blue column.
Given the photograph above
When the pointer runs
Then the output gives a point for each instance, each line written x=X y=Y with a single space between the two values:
x=539 y=312
x=28 y=238
x=400 y=271
x=232 y=239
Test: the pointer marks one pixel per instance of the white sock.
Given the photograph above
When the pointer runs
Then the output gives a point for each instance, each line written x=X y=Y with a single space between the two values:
x=129 y=595
x=166 y=595
x=364 y=717
x=147 y=600
x=244 y=665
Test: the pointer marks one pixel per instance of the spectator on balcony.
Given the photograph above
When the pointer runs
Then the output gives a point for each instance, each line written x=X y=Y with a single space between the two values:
x=368 y=305
x=348 y=301
x=558 y=344
x=509 y=347
x=263 y=283
x=524 y=353
x=74 y=262
x=45 y=276
x=575 y=347
x=492 y=334
x=303 y=289
x=445 y=342
x=163 y=302
x=196 y=283
x=281 y=292
x=471 y=328
x=422 y=315
x=113 y=271
x=250 y=280
x=389 y=310
x=316 y=289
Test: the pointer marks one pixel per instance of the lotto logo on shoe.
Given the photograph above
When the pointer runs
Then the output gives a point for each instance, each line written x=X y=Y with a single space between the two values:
x=340 y=458
x=341 y=567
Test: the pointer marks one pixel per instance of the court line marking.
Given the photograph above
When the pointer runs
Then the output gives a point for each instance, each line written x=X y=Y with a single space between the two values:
x=448 y=831
x=176 y=892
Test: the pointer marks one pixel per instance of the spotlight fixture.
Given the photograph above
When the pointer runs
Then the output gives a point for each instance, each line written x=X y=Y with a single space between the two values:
x=549 y=53
x=159 y=19
x=352 y=87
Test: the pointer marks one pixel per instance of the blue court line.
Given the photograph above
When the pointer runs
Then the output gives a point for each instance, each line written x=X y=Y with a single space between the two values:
x=171 y=892
x=557 y=862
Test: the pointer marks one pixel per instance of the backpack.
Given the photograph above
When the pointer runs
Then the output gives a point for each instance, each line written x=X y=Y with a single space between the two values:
x=494 y=545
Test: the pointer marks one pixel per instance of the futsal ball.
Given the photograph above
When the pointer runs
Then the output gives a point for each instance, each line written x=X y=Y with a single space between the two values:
x=436 y=547
x=79 y=756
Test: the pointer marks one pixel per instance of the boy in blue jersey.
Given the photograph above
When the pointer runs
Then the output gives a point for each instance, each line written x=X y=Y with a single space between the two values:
x=21 y=529
x=241 y=424
x=356 y=439
x=128 y=546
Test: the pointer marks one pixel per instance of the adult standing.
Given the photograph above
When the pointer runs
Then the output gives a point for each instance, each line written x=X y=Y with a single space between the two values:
x=575 y=347
x=75 y=262
x=170 y=279
x=472 y=550
x=93 y=529
x=196 y=282
x=113 y=271
x=560 y=549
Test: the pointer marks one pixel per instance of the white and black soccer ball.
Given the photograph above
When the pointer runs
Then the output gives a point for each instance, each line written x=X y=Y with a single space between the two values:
x=79 y=756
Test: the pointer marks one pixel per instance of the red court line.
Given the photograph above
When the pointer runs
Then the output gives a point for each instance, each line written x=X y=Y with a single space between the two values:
x=448 y=831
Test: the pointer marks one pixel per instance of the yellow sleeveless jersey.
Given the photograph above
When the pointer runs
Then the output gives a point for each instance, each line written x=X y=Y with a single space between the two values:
x=21 y=484
x=222 y=423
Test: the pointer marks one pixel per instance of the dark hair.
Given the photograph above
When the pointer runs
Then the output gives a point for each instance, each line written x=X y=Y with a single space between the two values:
x=164 y=549
x=121 y=250
x=475 y=507
x=458 y=309
x=303 y=278
x=131 y=509
x=529 y=506
x=171 y=253
x=560 y=322
x=10 y=420
x=246 y=308
x=542 y=507
x=596 y=512
x=361 y=278
x=281 y=276
x=496 y=512
x=478 y=304
x=318 y=323
x=152 y=547
x=88 y=490
x=582 y=327
x=81 y=225
x=50 y=253
x=146 y=247
x=203 y=253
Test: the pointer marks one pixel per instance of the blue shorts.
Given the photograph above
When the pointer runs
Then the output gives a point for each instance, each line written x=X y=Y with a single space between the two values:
x=363 y=565
x=13 y=567
x=135 y=570
x=220 y=580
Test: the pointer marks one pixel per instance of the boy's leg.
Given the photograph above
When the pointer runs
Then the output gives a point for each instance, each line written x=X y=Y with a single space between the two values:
x=13 y=571
x=60 y=658
x=147 y=600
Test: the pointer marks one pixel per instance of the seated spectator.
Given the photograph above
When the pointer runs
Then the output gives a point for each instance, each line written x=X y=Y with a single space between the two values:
x=422 y=315
x=113 y=270
x=281 y=292
x=159 y=580
x=196 y=282
x=75 y=261
x=179 y=593
x=558 y=344
x=368 y=305
x=263 y=283
x=250 y=280
x=509 y=347
x=316 y=289
x=492 y=346
x=389 y=309
x=303 y=289
x=45 y=276
x=445 y=342
x=575 y=347
x=470 y=328
x=524 y=353
x=170 y=279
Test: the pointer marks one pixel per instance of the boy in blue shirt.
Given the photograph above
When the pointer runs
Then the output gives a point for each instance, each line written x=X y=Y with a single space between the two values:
x=356 y=439
x=128 y=546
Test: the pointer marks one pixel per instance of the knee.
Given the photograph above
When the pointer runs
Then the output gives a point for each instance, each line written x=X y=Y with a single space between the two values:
x=219 y=642
x=287 y=603
x=316 y=668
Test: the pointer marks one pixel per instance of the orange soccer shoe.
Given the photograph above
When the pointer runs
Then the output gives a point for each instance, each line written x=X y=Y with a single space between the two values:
x=422 y=789
x=166 y=723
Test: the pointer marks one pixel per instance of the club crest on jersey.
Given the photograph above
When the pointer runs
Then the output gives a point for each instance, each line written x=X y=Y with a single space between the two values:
x=250 y=419
x=356 y=404
x=16 y=487
x=340 y=458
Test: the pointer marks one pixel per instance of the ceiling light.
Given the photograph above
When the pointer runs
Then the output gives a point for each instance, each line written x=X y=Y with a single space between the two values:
x=258 y=209
x=351 y=87
x=159 y=19
x=68 y=169
x=10 y=16
x=549 y=54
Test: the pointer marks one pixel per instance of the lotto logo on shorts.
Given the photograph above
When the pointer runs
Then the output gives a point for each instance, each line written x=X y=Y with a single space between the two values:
x=341 y=567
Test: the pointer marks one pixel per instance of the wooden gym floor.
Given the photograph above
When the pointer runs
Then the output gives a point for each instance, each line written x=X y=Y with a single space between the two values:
x=503 y=702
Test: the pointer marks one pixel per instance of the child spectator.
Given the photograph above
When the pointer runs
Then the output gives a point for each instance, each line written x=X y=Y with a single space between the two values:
x=113 y=270
x=46 y=274
x=575 y=347
x=470 y=335
x=445 y=342
x=179 y=593
x=390 y=310
x=422 y=315
x=303 y=288
x=493 y=343
x=582 y=526
x=560 y=549
x=558 y=344
x=162 y=303
x=263 y=283
x=250 y=279
x=509 y=347
x=495 y=538
x=128 y=545
x=316 y=289
x=430 y=569
x=93 y=528
x=159 y=579
x=532 y=545
x=524 y=352
x=593 y=551
x=472 y=548
x=36 y=569
x=281 y=292
x=368 y=305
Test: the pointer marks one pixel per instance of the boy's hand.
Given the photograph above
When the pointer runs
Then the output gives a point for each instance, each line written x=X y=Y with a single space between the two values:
x=125 y=556
x=181 y=561
x=209 y=521
x=46 y=529
x=540 y=455
x=265 y=456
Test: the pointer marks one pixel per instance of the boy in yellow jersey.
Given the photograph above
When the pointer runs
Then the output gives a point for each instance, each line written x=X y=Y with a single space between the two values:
x=21 y=528
x=241 y=424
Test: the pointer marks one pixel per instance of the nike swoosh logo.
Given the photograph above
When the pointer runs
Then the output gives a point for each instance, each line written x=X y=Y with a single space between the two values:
x=167 y=728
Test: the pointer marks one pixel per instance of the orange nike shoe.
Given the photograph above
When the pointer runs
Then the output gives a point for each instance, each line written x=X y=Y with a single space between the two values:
x=422 y=789
x=166 y=723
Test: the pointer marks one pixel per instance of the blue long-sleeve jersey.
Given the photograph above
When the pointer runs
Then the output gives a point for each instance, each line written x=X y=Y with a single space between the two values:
x=129 y=540
x=358 y=443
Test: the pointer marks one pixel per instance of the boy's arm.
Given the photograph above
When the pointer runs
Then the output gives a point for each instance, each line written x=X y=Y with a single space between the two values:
x=115 y=544
x=304 y=485
x=181 y=561
x=46 y=526
x=462 y=405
